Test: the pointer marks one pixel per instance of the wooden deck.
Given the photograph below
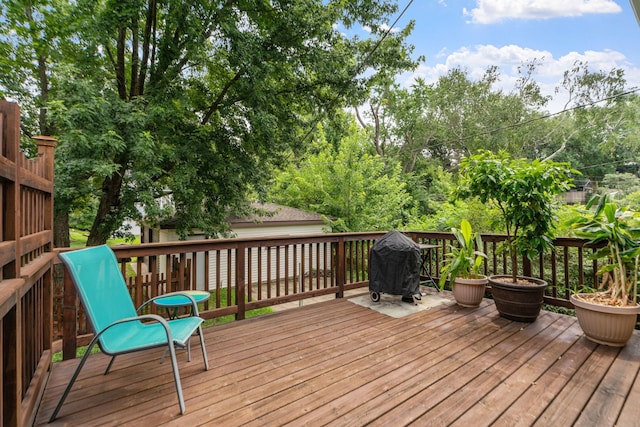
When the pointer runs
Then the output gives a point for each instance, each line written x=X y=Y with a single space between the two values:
x=338 y=363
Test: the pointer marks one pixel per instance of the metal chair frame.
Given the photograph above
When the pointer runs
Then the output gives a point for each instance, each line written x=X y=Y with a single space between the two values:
x=118 y=326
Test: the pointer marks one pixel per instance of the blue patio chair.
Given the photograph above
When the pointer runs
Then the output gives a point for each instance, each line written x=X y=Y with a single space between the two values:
x=117 y=325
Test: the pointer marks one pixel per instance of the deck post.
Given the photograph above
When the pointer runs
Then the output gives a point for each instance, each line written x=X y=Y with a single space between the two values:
x=341 y=267
x=240 y=282
x=69 y=311
x=10 y=282
x=12 y=366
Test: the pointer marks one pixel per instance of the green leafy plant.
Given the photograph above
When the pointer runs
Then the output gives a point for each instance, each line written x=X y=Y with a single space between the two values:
x=464 y=260
x=603 y=221
x=524 y=191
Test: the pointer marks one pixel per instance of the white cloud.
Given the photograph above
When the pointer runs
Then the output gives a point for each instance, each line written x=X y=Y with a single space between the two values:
x=475 y=60
x=383 y=27
x=492 y=11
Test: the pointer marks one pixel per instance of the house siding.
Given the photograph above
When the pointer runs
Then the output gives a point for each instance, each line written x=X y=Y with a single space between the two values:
x=221 y=263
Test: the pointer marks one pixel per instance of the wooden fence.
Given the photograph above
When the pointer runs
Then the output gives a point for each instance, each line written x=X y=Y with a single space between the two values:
x=26 y=332
x=268 y=271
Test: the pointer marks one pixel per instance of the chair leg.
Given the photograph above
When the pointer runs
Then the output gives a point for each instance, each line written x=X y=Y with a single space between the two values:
x=204 y=350
x=113 y=358
x=73 y=379
x=176 y=376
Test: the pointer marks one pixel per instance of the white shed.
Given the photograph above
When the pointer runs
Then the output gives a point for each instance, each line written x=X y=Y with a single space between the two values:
x=281 y=221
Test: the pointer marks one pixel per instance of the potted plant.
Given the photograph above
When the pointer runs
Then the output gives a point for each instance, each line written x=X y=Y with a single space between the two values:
x=462 y=265
x=609 y=315
x=524 y=192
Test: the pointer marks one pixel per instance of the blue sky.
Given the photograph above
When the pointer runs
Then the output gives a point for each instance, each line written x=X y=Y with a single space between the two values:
x=474 y=34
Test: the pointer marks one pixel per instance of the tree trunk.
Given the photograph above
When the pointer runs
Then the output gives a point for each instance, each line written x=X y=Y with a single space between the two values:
x=106 y=220
x=514 y=262
x=60 y=240
x=44 y=96
x=61 y=230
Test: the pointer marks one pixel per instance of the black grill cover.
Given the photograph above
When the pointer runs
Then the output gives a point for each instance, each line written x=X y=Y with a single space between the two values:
x=394 y=265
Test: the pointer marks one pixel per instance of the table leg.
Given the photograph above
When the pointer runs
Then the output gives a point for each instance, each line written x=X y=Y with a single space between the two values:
x=425 y=276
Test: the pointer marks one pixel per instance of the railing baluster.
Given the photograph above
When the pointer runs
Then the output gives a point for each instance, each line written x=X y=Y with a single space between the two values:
x=302 y=267
x=286 y=269
x=218 y=278
x=230 y=265
x=240 y=282
x=295 y=269
x=249 y=274
x=278 y=275
x=259 y=271
x=268 y=249
x=309 y=268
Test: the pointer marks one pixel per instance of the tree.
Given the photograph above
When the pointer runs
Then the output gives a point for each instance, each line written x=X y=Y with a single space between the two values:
x=456 y=116
x=351 y=186
x=620 y=183
x=193 y=104
x=604 y=121
x=32 y=37
x=36 y=35
x=524 y=191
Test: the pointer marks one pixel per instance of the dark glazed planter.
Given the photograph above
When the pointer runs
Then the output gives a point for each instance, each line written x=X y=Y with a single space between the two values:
x=521 y=303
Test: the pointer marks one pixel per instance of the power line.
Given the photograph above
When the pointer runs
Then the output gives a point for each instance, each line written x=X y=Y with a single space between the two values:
x=357 y=70
x=379 y=42
x=546 y=116
x=386 y=33
x=617 y=162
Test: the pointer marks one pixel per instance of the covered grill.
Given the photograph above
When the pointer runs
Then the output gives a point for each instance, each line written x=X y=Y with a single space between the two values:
x=394 y=267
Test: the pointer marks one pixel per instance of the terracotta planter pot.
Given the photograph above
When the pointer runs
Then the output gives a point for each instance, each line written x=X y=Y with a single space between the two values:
x=605 y=324
x=469 y=292
x=521 y=303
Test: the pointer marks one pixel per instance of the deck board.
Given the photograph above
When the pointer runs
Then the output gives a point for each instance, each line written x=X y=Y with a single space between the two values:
x=605 y=404
x=338 y=363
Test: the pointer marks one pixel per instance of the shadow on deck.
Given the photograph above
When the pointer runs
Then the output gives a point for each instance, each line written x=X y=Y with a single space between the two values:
x=339 y=363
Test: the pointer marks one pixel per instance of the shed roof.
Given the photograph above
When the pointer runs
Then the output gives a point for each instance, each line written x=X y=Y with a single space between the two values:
x=277 y=215
x=274 y=215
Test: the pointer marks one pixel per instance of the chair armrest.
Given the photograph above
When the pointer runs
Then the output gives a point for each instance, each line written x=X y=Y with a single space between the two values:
x=154 y=317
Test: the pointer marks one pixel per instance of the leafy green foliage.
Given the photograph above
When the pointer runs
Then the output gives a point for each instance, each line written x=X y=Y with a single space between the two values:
x=523 y=191
x=465 y=258
x=603 y=136
x=632 y=201
x=622 y=183
x=619 y=229
x=457 y=115
x=351 y=186
x=184 y=109
x=482 y=217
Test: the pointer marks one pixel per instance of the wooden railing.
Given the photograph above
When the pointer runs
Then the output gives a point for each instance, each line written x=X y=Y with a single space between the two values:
x=565 y=268
x=242 y=274
x=249 y=273
x=26 y=198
